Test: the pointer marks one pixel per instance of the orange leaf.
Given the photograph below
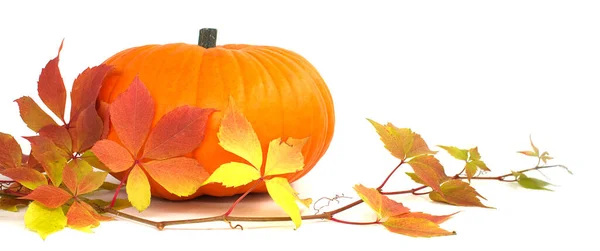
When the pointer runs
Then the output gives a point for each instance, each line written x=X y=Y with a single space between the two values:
x=177 y=133
x=429 y=170
x=131 y=115
x=29 y=178
x=402 y=143
x=415 y=227
x=52 y=158
x=49 y=196
x=104 y=113
x=381 y=204
x=78 y=217
x=51 y=87
x=87 y=130
x=11 y=154
x=91 y=182
x=86 y=88
x=32 y=114
x=181 y=176
x=70 y=178
x=437 y=219
x=96 y=214
x=59 y=135
x=112 y=155
x=459 y=193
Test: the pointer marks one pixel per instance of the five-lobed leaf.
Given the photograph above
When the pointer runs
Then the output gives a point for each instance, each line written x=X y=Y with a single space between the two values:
x=415 y=227
x=286 y=197
x=32 y=114
x=44 y=220
x=10 y=151
x=383 y=206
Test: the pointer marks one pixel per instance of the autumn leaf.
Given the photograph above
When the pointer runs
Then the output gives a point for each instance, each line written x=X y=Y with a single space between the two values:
x=532 y=183
x=32 y=114
x=460 y=154
x=80 y=178
x=49 y=196
x=459 y=193
x=138 y=189
x=112 y=155
x=402 y=143
x=59 y=135
x=534 y=152
x=244 y=174
x=383 y=206
x=87 y=129
x=10 y=151
x=29 y=178
x=429 y=170
x=286 y=197
x=51 y=88
x=283 y=158
x=119 y=203
x=415 y=227
x=11 y=204
x=181 y=176
x=52 y=158
x=109 y=186
x=437 y=219
x=415 y=178
x=80 y=218
x=44 y=220
x=86 y=88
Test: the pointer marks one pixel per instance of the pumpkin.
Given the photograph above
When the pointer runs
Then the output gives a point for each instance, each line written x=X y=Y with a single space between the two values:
x=278 y=91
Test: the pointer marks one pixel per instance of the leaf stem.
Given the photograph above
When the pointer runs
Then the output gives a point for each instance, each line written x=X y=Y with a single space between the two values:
x=389 y=176
x=354 y=223
x=118 y=189
x=242 y=197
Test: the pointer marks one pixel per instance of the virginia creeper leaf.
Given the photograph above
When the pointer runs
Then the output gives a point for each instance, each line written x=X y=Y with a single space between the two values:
x=528 y=153
x=456 y=152
x=49 y=196
x=79 y=218
x=98 y=216
x=29 y=178
x=11 y=154
x=283 y=158
x=138 y=189
x=415 y=178
x=415 y=227
x=286 y=197
x=91 y=182
x=437 y=219
x=532 y=183
x=119 y=203
x=470 y=169
x=86 y=88
x=181 y=176
x=12 y=205
x=481 y=165
x=43 y=220
x=178 y=132
x=109 y=186
x=59 y=135
x=51 y=88
x=234 y=174
x=52 y=158
x=91 y=158
x=381 y=204
x=87 y=130
x=429 y=170
x=70 y=178
x=535 y=149
x=474 y=154
x=112 y=155
x=237 y=136
x=32 y=114
x=545 y=157
x=402 y=143
x=459 y=193
x=131 y=115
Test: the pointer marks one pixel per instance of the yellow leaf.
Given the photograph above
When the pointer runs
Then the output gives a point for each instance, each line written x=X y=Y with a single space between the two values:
x=284 y=158
x=286 y=197
x=43 y=220
x=237 y=136
x=233 y=174
x=138 y=189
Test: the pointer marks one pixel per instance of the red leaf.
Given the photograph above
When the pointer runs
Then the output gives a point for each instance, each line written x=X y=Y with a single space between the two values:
x=429 y=170
x=86 y=88
x=178 y=132
x=11 y=154
x=112 y=155
x=49 y=195
x=131 y=115
x=437 y=219
x=415 y=227
x=87 y=130
x=181 y=176
x=51 y=87
x=27 y=177
x=52 y=158
x=103 y=112
x=34 y=117
x=59 y=135
x=70 y=178
x=79 y=217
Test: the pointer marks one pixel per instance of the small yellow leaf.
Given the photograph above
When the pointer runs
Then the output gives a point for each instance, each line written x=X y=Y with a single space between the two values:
x=237 y=136
x=286 y=197
x=138 y=189
x=233 y=174
x=43 y=220
x=283 y=158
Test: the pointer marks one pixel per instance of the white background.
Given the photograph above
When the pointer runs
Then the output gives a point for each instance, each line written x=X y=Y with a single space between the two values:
x=464 y=73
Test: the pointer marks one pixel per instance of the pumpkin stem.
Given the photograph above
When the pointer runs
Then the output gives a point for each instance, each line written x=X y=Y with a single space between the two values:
x=208 y=38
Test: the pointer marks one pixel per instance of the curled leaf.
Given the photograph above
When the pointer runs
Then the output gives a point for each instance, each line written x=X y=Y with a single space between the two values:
x=86 y=88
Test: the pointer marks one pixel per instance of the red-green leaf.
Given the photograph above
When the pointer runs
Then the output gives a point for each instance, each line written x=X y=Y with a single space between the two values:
x=181 y=176
x=78 y=217
x=131 y=115
x=381 y=204
x=59 y=135
x=52 y=158
x=32 y=114
x=460 y=154
x=11 y=154
x=51 y=87
x=49 y=196
x=86 y=88
x=437 y=219
x=12 y=205
x=459 y=193
x=415 y=227
x=429 y=170
x=87 y=129
x=177 y=133
x=401 y=142
x=29 y=178
x=112 y=155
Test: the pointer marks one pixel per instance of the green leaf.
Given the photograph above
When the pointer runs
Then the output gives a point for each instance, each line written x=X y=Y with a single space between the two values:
x=415 y=178
x=460 y=154
x=532 y=183
x=470 y=169
x=43 y=220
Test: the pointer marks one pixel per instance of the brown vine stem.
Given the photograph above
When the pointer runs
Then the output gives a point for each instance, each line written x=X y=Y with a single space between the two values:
x=328 y=215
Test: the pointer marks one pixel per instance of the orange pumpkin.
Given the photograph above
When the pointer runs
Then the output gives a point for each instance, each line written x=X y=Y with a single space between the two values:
x=278 y=91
